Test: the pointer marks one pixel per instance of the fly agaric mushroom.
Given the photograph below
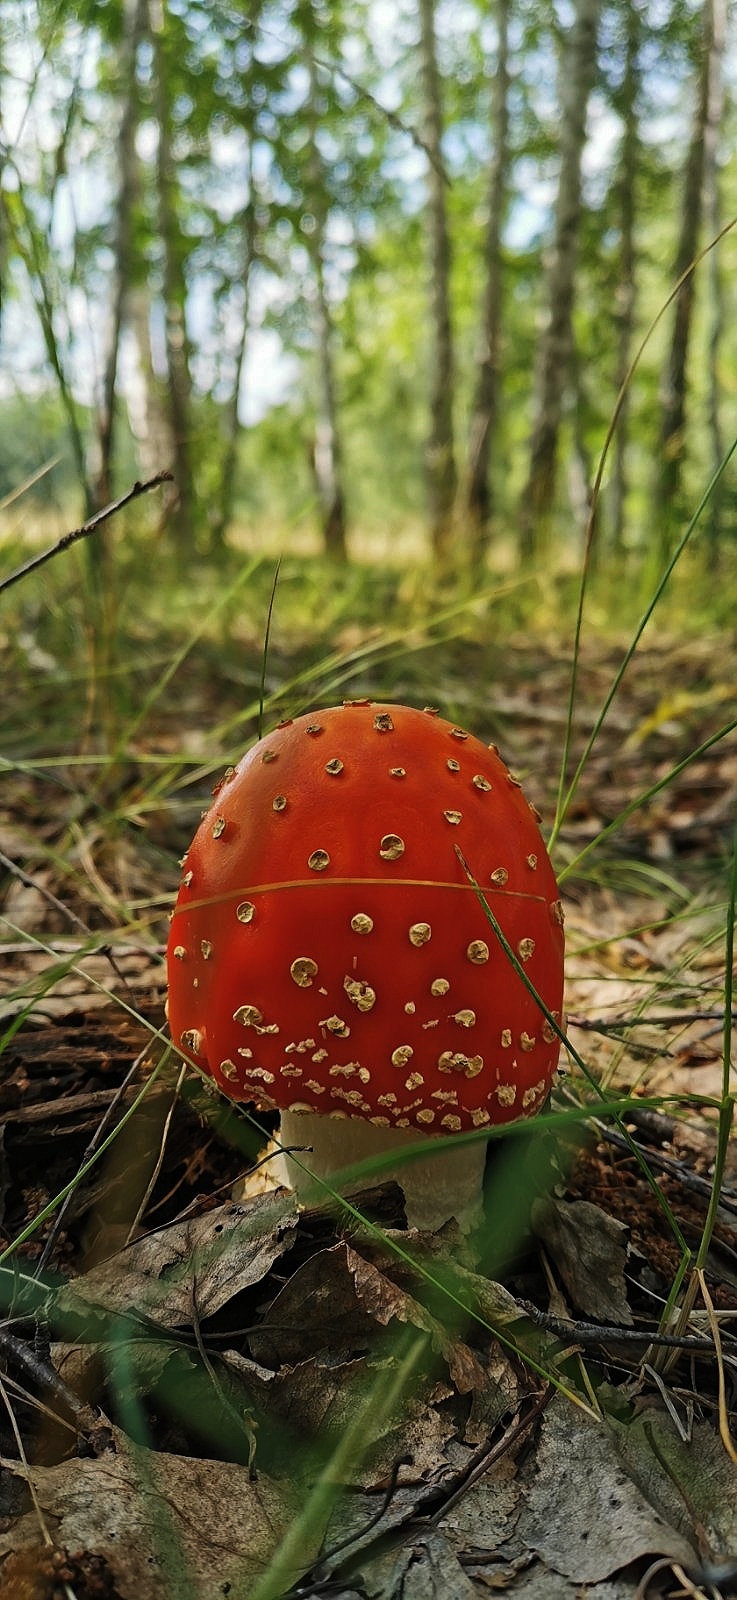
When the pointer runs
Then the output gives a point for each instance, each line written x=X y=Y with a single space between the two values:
x=329 y=957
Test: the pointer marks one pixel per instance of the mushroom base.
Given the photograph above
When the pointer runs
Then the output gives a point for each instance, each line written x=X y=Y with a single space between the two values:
x=436 y=1187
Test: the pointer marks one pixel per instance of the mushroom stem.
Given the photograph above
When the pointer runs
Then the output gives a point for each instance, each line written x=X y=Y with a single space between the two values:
x=444 y=1184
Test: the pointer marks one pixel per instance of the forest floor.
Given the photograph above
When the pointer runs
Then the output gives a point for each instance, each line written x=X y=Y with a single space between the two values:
x=204 y=1392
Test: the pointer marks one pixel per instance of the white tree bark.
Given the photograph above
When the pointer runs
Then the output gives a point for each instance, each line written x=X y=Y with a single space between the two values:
x=479 y=503
x=440 y=452
x=134 y=23
x=627 y=285
x=326 y=452
x=713 y=210
x=578 y=70
x=223 y=511
x=675 y=374
x=179 y=387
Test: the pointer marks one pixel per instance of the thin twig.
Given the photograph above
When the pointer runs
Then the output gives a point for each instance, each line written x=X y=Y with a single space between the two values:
x=488 y=1457
x=670 y=1019
x=66 y=911
x=46 y=1536
x=663 y=1564
x=334 y=69
x=359 y=1534
x=51 y=899
x=46 y=1376
x=67 y=1105
x=154 y=1178
x=668 y=1164
x=593 y=1334
x=93 y=1145
x=690 y=1590
x=87 y=528
x=412 y=1524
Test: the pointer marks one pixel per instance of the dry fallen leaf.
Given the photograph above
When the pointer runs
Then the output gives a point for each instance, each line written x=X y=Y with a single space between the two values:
x=191 y=1269
x=583 y=1512
x=587 y=1508
x=167 y=1524
x=335 y=1301
x=589 y=1250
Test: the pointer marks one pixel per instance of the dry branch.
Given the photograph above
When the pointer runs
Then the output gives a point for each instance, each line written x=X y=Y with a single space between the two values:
x=86 y=529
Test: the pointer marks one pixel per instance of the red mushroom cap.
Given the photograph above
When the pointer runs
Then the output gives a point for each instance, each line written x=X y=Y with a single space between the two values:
x=327 y=950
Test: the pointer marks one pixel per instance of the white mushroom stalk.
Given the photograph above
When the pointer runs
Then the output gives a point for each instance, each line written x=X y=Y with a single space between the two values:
x=436 y=1187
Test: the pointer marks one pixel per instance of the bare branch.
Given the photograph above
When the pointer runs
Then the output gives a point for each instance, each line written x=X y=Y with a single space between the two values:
x=87 y=528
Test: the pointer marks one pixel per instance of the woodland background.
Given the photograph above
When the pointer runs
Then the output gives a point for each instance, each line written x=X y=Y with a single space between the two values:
x=364 y=270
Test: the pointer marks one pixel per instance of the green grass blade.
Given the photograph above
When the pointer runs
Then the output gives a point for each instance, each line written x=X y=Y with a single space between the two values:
x=575 y=1055
x=643 y=798
x=265 y=655
x=565 y=796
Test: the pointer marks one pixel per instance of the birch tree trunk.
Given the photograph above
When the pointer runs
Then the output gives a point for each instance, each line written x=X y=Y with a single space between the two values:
x=713 y=209
x=3 y=224
x=627 y=286
x=479 y=505
x=179 y=387
x=327 y=459
x=578 y=70
x=134 y=23
x=440 y=455
x=224 y=504
x=326 y=453
x=674 y=384
x=148 y=414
